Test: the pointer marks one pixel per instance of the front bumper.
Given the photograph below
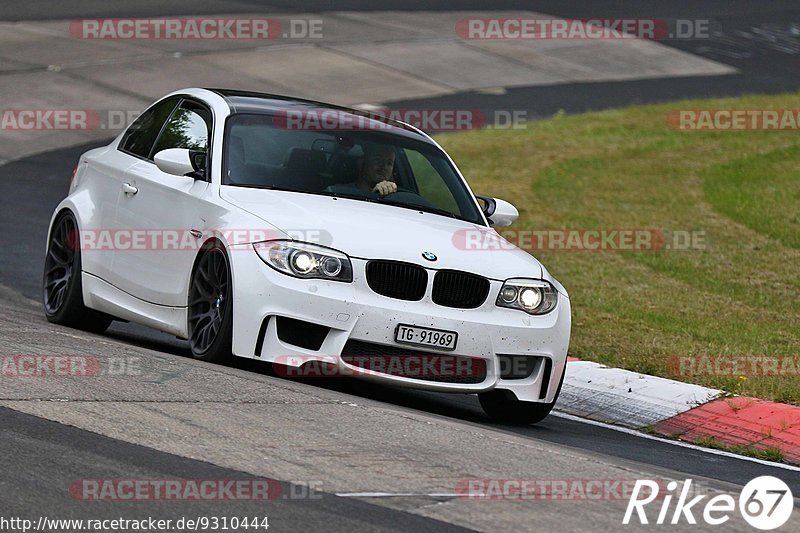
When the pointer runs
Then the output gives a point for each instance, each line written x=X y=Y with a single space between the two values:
x=353 y=312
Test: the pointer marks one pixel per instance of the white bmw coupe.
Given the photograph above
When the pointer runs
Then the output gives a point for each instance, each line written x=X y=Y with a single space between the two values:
x=302 y=233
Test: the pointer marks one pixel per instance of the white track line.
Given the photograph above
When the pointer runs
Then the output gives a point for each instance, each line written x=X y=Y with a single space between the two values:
x=675 y=442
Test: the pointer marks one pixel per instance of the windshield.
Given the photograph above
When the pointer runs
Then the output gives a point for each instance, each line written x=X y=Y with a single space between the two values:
x=261 y=151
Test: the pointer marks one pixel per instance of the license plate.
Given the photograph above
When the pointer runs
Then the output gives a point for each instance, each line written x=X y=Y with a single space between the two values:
x=435 y=338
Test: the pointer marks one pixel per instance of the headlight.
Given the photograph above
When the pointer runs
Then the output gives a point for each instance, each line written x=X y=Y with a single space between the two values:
x=534 y=296
x=307 y=261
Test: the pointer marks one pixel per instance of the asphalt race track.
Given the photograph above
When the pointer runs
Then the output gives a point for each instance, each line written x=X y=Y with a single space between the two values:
x=43 y=445
x=48 y=439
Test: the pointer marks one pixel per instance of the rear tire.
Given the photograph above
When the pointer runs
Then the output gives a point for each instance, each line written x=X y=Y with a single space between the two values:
x=503 y=407
x=210 y=310
x=62 y=291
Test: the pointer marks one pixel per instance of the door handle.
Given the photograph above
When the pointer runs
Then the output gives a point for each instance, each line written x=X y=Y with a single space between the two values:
x=129 y=189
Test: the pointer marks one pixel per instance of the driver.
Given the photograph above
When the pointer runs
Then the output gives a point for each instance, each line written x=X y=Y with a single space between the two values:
x=374 y=171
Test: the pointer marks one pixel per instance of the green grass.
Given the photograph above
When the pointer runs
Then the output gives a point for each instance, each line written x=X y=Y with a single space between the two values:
x=766 y=454
x=740 y=295
x=761 y=192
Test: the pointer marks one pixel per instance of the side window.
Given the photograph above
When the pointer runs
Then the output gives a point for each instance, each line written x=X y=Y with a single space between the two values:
x=142 y=133
x=431 y=185
x=189 y=127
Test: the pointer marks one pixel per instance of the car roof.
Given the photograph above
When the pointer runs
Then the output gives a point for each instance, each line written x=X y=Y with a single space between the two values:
x=264 y=103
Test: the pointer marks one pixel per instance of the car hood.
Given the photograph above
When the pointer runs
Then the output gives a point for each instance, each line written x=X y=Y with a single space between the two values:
x=369 y=230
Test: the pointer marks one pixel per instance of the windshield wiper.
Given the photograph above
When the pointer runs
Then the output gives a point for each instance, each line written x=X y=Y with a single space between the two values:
x=349 y=196
x=422 y=207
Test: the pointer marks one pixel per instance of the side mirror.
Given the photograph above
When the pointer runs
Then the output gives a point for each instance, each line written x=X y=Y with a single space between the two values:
x=180 y=162
x=499 y=212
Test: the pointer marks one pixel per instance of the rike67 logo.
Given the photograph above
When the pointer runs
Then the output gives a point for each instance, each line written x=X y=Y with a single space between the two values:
x=765 y=503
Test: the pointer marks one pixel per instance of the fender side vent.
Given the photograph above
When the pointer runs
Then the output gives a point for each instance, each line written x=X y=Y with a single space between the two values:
x=261 y=334
x=548 y=369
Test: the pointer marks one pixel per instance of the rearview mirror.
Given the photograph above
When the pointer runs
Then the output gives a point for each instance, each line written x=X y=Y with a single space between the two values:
x=180 y=162
x=499 y=212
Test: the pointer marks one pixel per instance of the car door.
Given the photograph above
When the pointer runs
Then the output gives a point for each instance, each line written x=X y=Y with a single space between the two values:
x=101 y=178
x=105 y=177
x=163 y=213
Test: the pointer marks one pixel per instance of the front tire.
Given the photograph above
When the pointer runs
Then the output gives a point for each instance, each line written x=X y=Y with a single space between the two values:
x=503 y=407
x=210 y=311
x=62 y=291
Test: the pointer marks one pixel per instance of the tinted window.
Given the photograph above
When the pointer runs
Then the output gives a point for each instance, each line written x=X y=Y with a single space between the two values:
x=189 y=127
x=142 y=133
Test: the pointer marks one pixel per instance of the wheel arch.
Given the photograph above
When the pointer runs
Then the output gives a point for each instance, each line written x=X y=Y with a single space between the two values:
x=213 y=243
x=57 y=214
x=209 y=244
